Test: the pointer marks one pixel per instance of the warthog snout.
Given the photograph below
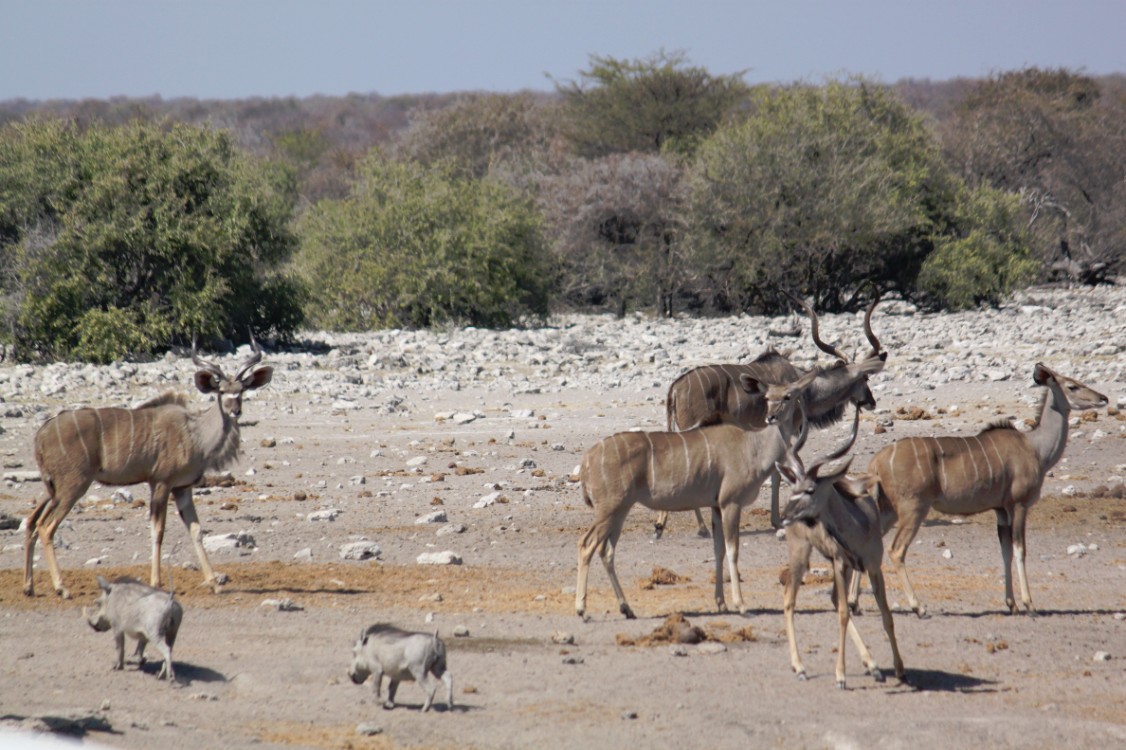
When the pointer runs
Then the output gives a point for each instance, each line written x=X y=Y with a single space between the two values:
x=96 y=617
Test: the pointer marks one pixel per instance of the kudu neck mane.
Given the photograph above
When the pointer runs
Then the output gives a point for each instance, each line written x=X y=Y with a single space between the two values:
x=213 y=432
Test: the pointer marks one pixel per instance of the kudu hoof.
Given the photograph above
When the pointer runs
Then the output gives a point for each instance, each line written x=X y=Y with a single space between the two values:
x=877 y=675
x=63 y=593
x=625 y=610
x=841 y=685
x=703 y=533
x=657 y=531
x=802 y=676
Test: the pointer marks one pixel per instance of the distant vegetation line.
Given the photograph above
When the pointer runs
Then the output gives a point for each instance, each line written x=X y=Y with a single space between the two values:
x=129 y=225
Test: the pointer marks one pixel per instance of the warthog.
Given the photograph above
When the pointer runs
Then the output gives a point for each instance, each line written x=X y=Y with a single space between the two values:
x=401 y=655
x=139 y=611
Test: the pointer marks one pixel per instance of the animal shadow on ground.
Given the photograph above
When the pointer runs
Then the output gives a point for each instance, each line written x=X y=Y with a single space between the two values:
x=1036 y=614
x=66 y=726
x=935 y=680
x=263 y=590
x=185 y=673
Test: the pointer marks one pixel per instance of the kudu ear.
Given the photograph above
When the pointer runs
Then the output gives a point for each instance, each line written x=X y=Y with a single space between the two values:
x=1041 y=373
x=258 y=378
x=786 y=472
x=752 y=385
x=206 y=381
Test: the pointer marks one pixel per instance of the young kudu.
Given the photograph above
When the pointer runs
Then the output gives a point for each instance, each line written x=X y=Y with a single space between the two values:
x=730 y=389
x=839 y=518
x=718 y=466
x=162 y=442
x=999 y=469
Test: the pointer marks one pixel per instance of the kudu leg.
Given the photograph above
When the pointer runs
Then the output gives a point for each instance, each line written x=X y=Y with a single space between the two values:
x=701 y=527
x=158 y=513
x=840 y=575
x=662 y=523
x=186 y=507
x=30 y=537
x=799 y=562
x=719 y=546
x=47 y=527
x=601 y=537
x=775 y=515
x=879 y=590
x=907 y=528
x=1005 y=537
x=1020 y=516
x=607 y=554
x=730 y=519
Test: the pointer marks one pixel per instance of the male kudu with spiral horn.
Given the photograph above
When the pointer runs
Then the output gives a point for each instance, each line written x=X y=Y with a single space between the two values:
x=163 y=442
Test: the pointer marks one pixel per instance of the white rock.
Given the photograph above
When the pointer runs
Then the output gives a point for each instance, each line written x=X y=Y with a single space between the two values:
x=947 y=554
x=522 y=413
x=282 y=605
x=1102 y=656
x=451 y=528
x=216 y=542
x=464 y=417
x=417 y=461
x=487 y=500
x=439 y=558
x=710 y=647
x=305 y=555
x=438 y=516
x=359 y=551
x=328 y=514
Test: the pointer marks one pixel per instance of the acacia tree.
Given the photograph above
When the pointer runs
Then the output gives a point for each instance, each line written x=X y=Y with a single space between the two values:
x=417 y=246
x=478 y=132
x=1050 y=136
x=818 y=188
x=123 y=240
x=646 y=105
x=616 y=228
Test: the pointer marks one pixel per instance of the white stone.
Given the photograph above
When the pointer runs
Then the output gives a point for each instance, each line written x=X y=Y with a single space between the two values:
x=451 y=528
x=417 y=461
x=439 y=558
x=438 y=516
x=304 y=555
x=328 y=514
x=487 y=500
x=359 y=551
x=216 y=542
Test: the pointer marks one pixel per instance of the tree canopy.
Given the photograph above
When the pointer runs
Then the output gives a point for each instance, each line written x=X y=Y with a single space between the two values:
x=124 y=240
x=647 y=105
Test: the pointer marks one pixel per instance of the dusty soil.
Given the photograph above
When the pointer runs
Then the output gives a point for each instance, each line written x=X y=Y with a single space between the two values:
x=253 y=676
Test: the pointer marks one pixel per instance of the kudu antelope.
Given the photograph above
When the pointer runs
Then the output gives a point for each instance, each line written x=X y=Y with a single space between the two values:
x=837 y=516
x=999 y=469
x=162 y=442
x=719 y=466
x=729 y=389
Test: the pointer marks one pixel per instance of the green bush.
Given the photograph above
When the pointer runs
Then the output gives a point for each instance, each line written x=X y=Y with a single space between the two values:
x=120 y=241
x=986 y=261
x=417 y=246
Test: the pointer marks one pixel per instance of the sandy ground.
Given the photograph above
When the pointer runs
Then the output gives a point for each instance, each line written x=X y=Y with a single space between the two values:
x=253 y=676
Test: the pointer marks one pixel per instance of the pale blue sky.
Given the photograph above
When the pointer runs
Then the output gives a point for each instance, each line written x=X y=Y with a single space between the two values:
x=240 y=48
